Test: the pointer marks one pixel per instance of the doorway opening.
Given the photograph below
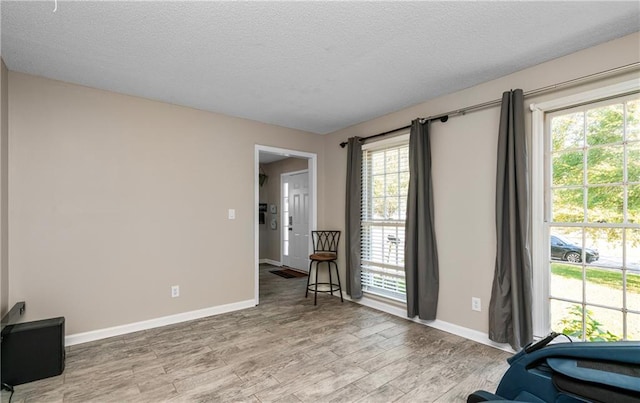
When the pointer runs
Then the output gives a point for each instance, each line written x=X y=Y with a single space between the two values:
x=273 y=167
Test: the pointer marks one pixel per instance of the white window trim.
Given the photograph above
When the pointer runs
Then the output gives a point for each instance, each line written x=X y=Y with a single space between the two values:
x=398 y=140
x=539 y=222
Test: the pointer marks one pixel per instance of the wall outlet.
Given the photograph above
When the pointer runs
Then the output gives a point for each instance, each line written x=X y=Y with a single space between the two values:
x=175 y=291
x=475 y=304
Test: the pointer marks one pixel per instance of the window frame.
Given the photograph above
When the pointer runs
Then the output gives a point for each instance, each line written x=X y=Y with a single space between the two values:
x=540 y=160
x=399 y=140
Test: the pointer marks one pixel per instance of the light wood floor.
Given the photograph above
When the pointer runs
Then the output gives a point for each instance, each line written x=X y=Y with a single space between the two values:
x=284 y=350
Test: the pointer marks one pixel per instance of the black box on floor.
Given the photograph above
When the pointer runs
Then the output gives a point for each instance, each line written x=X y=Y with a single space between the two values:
x=32 y=351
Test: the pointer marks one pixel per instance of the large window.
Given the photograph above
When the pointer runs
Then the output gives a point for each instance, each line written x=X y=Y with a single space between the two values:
x=385 y=180
x=592 y=219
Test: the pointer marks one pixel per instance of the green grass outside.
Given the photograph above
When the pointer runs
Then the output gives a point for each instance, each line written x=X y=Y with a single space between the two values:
x=609 y=278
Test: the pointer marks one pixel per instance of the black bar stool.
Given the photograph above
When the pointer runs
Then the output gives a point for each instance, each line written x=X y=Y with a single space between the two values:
x=325 y=249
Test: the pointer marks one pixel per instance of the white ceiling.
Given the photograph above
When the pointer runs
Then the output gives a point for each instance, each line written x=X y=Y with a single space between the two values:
x=315 y=66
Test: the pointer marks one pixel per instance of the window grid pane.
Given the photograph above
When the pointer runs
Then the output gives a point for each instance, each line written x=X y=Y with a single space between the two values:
x=385 y=177
x=594 y=228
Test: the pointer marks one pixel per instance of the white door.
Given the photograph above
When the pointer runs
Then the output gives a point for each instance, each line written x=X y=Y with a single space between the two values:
x=295 y=215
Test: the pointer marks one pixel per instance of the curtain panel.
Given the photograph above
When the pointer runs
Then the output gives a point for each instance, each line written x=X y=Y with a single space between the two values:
x=510 y=317
x=421 y=252
x=352 y=216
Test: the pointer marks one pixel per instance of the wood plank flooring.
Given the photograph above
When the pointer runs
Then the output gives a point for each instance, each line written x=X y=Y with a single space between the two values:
x=284 y=350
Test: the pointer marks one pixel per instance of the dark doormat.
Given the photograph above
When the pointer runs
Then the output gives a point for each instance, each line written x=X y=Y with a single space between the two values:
x=288 y=273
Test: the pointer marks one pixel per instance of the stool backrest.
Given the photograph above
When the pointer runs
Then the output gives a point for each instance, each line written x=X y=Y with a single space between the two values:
x=325 y=241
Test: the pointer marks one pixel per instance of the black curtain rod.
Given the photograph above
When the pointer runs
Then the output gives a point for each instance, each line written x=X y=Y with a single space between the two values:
x=445 y=116
x=441 y=118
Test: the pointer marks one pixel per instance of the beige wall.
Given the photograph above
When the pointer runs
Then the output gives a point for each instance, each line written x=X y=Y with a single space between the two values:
x=464 y=165
x=4 y=160
x=113 y=199
x=272 y=246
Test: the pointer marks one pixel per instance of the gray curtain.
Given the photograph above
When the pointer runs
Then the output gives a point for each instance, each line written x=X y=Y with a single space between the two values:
x=352 y=216
x=421 y=252
x=510 y=307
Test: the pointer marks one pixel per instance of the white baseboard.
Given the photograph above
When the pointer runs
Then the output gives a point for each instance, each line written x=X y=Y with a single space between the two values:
x=157 y=322
x=467 y=333
x=461 y=331
x=99 y=334
x=269 y=261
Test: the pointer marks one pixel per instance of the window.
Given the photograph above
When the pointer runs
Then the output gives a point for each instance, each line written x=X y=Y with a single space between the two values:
x=385 y=181
x=592 y=219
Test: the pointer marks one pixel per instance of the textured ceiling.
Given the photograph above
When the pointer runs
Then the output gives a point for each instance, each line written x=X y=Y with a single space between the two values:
x=315 y=66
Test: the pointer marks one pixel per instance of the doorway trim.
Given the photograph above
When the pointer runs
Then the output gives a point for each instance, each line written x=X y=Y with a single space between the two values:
x=312 y=166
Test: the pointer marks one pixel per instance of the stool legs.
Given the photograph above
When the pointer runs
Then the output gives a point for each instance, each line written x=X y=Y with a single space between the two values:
x=309 y=278
x=330 y=279
x=339 y=285
x=315 y=285
x=315 y=297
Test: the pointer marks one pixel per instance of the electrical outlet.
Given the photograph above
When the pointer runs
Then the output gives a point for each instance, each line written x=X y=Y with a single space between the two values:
x=475 y=304
x=175 y=291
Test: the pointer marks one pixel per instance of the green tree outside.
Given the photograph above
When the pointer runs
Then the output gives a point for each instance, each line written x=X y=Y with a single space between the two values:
x=599 y=133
